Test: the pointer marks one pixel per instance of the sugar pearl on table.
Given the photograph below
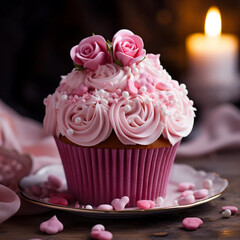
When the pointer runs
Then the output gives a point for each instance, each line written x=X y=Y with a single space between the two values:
x=77 y=120
x=105 y=207
x=89 y=207
x=127 y=108
x=125 y=94
x=70 y=131
x=207 y=183
x=227 y=213
x=233 y=209
x=159 y=201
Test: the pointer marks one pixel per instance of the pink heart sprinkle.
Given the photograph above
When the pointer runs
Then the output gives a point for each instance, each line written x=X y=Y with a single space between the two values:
x=98 y=227
x=105 y=235
x=192 y=223
x=185 y=186
x=119 y=204
x=145 y=204
x=186 y=193
x=233 y=209
x=200 y=193
x=186 y=200
x=102 y=235
x=51 y=226
x=98 y=232
x=58 y=201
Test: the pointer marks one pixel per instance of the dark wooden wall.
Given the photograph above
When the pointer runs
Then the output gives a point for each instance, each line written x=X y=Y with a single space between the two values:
x=36 y=37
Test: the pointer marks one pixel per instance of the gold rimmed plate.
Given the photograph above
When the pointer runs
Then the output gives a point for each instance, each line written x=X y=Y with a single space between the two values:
x=180 y=173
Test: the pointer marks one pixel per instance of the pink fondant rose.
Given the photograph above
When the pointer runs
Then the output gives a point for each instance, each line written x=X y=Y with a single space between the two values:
x=127 y=48
x=90 y=52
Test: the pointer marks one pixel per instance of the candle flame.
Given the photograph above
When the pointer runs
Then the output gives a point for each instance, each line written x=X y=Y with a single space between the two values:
x=213 y=24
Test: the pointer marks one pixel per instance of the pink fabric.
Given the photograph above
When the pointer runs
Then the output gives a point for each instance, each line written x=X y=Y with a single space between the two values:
x=26 y=136
x=9 y=203
x=24 y=148
x=220 y=130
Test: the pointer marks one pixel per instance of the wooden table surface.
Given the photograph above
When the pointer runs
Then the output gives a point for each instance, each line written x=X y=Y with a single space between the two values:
x=162 y=226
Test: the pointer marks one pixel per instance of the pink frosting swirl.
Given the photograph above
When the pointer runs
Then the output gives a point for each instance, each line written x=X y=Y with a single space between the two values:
x=127 y=47
x=50 y=120
x=90 y=52
x=140 y=101
x=85 y=124
x=135 y=122
x=179 y=118
x=107 y=77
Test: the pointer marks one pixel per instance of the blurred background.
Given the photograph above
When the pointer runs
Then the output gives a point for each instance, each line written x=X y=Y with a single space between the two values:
x=36 y=38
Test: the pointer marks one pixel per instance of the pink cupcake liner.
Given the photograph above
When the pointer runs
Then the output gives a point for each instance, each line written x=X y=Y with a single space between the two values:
x=98 y=175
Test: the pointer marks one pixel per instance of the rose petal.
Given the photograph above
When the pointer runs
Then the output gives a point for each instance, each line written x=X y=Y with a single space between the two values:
x=92 y=64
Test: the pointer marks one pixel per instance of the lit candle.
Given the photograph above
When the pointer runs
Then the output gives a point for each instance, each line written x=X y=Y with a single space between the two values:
x=213 y=57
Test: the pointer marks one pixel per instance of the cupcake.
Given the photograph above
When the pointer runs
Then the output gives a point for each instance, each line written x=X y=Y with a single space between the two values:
x=117 y=119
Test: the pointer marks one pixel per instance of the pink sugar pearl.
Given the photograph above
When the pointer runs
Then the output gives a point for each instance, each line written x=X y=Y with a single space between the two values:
x=185 y=186
x=105 y=207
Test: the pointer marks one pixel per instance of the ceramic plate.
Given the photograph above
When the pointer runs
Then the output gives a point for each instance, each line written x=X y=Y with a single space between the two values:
x=180 y=173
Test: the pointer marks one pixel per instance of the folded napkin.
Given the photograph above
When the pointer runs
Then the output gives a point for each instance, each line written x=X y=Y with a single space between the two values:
x=24 y=148
x=219 y=130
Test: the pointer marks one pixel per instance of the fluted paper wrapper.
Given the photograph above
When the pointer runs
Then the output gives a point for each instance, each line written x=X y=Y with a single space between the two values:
x=98 y=175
